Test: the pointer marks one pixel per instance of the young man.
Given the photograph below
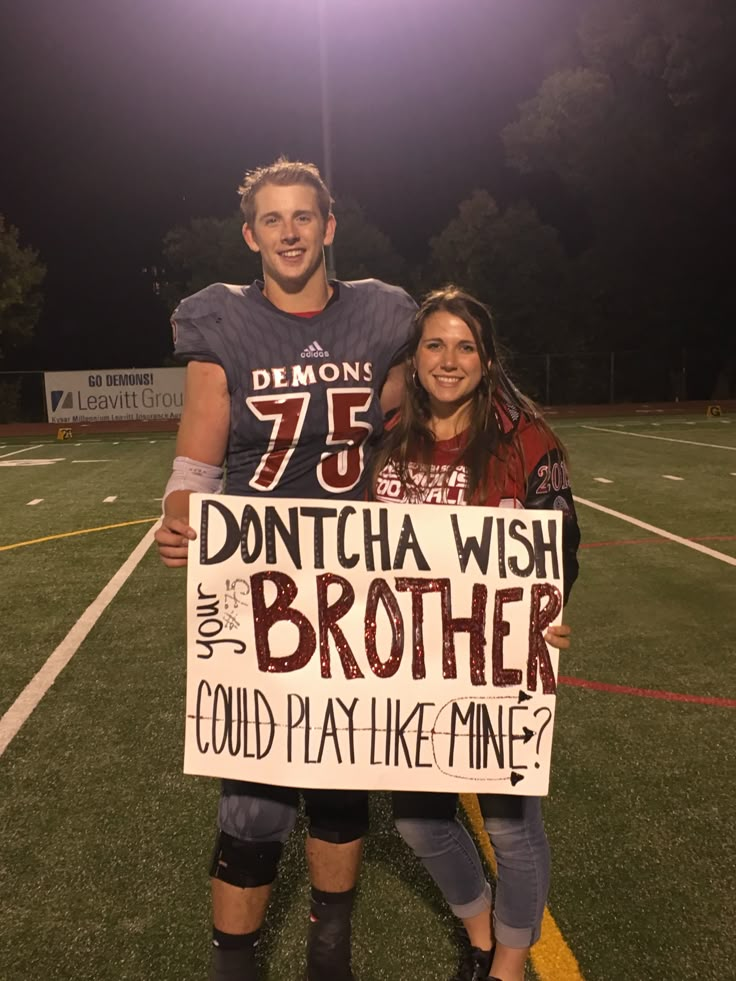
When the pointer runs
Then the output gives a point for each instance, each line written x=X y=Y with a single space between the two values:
x=283 y=383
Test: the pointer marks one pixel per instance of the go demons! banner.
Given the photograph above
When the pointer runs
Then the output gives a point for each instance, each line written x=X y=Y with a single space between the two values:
x=114 y=396
x=371 y=646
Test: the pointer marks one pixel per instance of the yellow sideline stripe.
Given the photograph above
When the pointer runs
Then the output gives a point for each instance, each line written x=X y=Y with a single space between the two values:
x=82 y=531
x=551 y=957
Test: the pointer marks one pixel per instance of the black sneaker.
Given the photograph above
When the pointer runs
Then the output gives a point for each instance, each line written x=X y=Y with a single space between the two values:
x=475 y=965
x=328 y=945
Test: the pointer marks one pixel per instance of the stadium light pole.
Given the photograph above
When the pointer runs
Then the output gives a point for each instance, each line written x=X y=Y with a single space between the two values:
x=325 y=119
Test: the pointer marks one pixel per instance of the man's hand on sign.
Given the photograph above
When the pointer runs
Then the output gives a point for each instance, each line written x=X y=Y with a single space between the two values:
x=559 y=636
x=173 y=538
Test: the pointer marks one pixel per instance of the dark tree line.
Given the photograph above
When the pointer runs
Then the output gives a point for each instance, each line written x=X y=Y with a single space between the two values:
x=634 y=131
x=21 y=276
x=637 y=128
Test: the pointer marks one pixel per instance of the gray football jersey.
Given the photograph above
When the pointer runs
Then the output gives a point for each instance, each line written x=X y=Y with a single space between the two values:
x=304 y=391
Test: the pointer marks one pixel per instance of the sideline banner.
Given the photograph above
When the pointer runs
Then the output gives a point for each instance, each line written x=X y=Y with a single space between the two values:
x=114 y=396
x=347 y=644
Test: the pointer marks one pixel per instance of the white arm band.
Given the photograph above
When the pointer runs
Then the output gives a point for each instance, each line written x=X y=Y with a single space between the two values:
x=192 y=475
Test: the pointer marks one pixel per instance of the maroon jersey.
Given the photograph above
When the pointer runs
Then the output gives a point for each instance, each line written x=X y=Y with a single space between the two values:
x=535 y=476
x=304 y=392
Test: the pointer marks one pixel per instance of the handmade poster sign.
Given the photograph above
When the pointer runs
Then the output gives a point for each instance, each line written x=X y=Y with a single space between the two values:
x=347 y=644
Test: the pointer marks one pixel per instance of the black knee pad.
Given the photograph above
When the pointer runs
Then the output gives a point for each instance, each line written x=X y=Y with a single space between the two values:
x=337 y=816
x=245 y=864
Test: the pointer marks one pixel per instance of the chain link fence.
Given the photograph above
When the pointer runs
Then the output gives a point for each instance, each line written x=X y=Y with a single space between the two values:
x=551 y=379
x=22 y=397
x=624 y=376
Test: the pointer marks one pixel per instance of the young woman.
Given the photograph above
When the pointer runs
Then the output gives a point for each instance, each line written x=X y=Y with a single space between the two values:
x=466 y=435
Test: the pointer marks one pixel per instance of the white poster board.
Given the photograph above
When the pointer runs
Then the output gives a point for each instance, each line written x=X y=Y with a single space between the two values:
x=116 y=395
x=346 y=644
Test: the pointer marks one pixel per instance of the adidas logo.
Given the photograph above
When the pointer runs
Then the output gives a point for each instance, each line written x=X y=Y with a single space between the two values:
x=315 y=350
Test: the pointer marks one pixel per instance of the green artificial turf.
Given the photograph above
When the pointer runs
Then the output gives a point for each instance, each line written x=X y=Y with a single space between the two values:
x=104 y=843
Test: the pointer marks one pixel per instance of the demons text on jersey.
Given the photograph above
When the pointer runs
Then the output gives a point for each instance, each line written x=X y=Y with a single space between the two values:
x=302 y=375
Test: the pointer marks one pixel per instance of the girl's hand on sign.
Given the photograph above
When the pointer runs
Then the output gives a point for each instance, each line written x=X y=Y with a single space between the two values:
x=559 y=636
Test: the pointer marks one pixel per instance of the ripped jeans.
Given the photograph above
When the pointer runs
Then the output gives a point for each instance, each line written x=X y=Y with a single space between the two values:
x=429 y=825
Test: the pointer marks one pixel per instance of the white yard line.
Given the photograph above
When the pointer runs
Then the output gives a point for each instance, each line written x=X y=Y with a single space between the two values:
x=33 y=462
x=91 y=461
x=667 y=439
x=603 y=480
x=36 y=500
x=26 y=449
x=696 y=546
x=671 y=476
x=26 y=702
x=109 y=500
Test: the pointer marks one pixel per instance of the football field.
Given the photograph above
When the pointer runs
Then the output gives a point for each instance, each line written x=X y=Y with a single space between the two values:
x=105 y=844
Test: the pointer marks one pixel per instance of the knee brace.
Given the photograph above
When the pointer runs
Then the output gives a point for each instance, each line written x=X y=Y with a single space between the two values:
x=245 y=864
x=338 y=817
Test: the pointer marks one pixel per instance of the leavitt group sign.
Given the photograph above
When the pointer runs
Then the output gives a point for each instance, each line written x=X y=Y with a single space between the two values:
x=360 y=645
x=114 y=396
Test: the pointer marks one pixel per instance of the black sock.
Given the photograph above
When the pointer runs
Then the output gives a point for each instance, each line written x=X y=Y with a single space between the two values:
x=234 y=956
x=322 y=898
x=328 y=936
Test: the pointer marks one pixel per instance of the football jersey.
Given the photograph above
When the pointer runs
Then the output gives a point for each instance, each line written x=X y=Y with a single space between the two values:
x=304 y=407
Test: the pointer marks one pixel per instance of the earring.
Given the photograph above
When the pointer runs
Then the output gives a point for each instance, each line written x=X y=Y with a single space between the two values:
x=415 y=379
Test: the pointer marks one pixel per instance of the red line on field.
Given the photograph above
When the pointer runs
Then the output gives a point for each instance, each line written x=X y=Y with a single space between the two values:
x=666 y=696
x=655 y=540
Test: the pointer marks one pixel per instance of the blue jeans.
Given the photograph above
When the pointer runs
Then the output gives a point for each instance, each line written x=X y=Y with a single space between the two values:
x=429 y=825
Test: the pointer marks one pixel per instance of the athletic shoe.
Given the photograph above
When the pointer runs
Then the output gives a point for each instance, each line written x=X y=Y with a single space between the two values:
x=474 y=965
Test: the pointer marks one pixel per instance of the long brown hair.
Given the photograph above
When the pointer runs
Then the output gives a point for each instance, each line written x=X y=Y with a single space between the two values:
x=490 y=439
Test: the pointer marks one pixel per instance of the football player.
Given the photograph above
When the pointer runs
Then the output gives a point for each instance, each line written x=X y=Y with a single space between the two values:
x=287 y=383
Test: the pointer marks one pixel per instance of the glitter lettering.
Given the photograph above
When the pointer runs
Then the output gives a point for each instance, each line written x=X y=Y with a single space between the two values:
x=265 y=617
x=539 y=619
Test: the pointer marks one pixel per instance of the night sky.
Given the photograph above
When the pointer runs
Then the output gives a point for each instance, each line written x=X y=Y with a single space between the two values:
x=121 y=120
